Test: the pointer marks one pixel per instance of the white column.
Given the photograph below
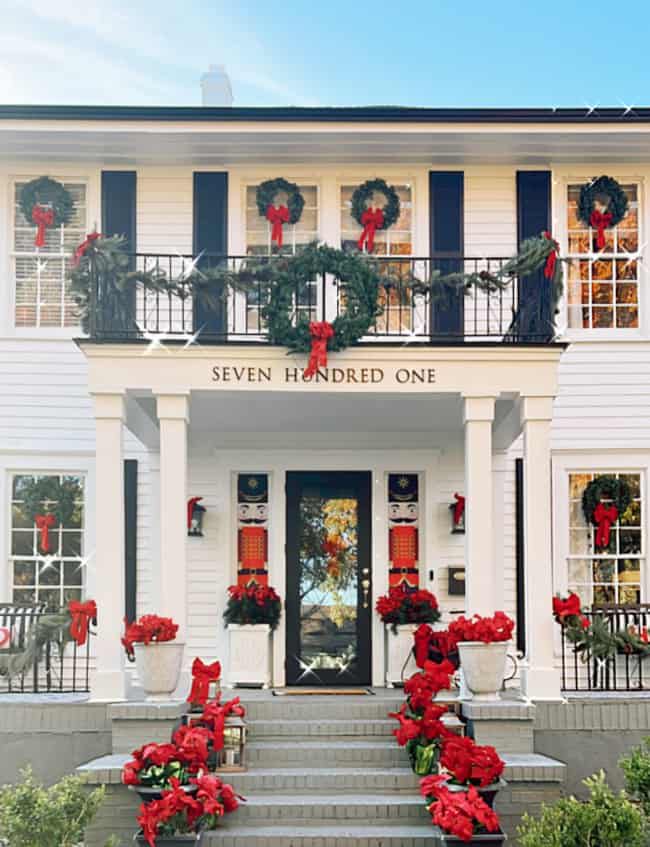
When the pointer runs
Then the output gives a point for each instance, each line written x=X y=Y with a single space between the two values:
x=108 y=681
x=173 y=411
x=542 y=678
x=480 y=580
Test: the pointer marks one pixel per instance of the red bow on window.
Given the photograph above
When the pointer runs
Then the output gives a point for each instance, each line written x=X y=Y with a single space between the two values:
x=604 y=516
x=551 y=259
x=600 y=221
x=372 y=220
x=81 y=249
x=82 y=614
x=44 y=524
x=321 y=332
x=202 y=676
x=277 y=217
x=42 y=217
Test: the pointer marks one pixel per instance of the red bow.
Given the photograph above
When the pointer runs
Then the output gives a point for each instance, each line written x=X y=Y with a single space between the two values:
x=277 y=217
x=43 y=217
x=44 y=523
x=191 y=503
x=600 y=221
x=459 y=508
x=372 y=220
x=604 y=516
x=320 y=333
x=551 y=259
x=82 y=614
x=202 y=676
x=422 y=638
x=81 y=249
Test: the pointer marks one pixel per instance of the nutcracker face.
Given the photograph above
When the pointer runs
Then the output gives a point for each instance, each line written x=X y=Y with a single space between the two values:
x=403 y=513
x=253 y=514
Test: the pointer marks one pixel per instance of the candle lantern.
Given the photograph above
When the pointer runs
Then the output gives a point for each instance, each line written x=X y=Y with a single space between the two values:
x=457 y=511
x=195 y=513
x=232 y=756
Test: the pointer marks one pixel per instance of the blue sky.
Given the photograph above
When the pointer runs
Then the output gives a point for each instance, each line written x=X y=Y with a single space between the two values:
x=343 y=52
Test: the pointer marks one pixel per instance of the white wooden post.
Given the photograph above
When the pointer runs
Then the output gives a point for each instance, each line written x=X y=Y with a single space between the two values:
x=108 y=680
x=480 y=582
x=542 y=677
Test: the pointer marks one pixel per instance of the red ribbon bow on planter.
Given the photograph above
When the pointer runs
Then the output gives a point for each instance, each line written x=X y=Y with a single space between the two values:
x=44 y=524
x=321 y=332
x=42 y=217
x=604 y=516
x=82 y=614
x=277 y=217
x=551 y=259
x=372 y=220
x=600 y=221
x=459 y=508
x=202 y=676
x=81 y=249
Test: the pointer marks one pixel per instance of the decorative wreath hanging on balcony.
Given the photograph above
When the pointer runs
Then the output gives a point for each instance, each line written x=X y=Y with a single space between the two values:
x=48 y=502
x=45 y=202
x=278 y=215
x=600 y=514
x=370 y=218
x=602 y=204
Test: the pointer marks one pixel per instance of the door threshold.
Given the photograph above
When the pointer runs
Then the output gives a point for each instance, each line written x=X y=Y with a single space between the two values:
x=335 y=692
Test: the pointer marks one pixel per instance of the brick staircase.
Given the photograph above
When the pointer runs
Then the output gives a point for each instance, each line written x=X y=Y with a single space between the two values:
x=323 y=772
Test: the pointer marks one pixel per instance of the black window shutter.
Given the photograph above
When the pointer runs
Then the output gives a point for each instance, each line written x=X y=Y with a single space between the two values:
x=534 y=320
x=447 y=243
x=211 y=237
x=130 y=537
x=119 y=190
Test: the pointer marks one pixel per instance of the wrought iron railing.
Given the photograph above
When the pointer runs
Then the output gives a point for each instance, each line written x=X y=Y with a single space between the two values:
x=415 y=307
x=620 y=669
x=58 y=665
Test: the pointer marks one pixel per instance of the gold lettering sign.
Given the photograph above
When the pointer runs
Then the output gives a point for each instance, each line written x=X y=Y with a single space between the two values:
x=256 y=375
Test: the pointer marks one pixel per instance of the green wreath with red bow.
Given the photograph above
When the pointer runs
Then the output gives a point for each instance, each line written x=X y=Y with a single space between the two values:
x=374 y=219
x=48 y=502
x=602 y=204
x=278 y=215
x=45 y=202
x=604 y=515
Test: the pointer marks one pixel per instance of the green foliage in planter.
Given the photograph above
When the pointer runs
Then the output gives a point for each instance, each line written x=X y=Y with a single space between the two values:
x=34 y=816
x=636 y=768
x=605 y=820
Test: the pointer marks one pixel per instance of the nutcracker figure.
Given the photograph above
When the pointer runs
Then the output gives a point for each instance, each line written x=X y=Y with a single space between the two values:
x=403 y=530
x=252 y=534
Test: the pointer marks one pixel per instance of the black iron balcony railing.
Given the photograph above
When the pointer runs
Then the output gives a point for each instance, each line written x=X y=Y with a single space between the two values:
x=609 y=668
x=422 y=311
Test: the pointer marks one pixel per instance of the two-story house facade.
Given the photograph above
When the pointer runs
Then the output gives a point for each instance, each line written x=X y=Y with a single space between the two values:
x=440 y=397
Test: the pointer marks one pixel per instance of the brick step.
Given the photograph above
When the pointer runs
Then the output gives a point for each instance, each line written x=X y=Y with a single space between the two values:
x=324 y=835
x=361 y=730
x=312 y=808
x=325 y=753
x=320 y=708
x=326 y=779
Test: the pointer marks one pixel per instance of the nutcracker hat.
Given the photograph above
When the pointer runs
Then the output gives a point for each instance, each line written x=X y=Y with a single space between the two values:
x=403 y=487
x=253 y=488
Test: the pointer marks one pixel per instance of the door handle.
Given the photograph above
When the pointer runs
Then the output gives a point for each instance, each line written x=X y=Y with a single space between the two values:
x=365 y=585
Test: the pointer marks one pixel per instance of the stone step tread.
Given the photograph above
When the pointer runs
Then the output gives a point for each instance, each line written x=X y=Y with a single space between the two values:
x=346 y=744
x=326 y=834
x=339 y=799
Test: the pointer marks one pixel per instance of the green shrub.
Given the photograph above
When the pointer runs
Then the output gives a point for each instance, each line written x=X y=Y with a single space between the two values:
x=636 y=768
x=34 y=816
x=605 y=820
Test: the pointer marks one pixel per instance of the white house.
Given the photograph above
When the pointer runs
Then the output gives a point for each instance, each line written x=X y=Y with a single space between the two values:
x=441 y=397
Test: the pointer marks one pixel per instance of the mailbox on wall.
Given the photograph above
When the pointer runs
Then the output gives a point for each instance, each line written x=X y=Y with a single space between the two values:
x=456 y=580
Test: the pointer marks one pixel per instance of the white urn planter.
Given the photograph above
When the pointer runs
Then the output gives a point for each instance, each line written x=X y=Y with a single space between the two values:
x=159 y=667
x=250 y=654
x=399 y=651
x=483 y=667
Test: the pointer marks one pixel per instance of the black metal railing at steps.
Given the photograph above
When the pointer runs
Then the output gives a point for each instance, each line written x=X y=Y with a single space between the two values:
x=619 y=669
x=421 y=311
x=56 y=667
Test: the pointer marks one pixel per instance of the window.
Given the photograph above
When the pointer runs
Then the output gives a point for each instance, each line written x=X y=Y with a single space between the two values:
x=55 y=577
x=42 y=297
x=604 y=284
x=614 y=575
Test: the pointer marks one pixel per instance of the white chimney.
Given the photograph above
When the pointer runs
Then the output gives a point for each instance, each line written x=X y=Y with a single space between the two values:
x=215 y=87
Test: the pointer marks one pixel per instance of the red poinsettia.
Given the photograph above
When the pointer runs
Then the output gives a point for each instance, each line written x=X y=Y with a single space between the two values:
x=214 y=716
x=568 y=611
x=423 y=686
x=469 y=763
x=192 y=743
x=404 y=605
x=488 y=630
x=149 y=628
x=460 y=812
x=253 y=604
x=155 y=765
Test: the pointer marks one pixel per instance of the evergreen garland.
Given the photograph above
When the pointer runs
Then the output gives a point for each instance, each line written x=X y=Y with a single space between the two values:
x=47 y=192
x=48 y=495
x=608 y=191
x=363 y=193
x=267 y=192
x=608 y=488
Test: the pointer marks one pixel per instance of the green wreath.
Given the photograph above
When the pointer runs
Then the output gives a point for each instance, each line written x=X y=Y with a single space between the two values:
x=363 y=193
x=267 y=192
x=608 y=192
x=50 y=193
x=605 y=487
x=60 y=497
x=358 y=280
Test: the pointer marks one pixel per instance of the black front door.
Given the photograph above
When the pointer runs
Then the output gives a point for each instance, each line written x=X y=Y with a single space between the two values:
x=328 y=604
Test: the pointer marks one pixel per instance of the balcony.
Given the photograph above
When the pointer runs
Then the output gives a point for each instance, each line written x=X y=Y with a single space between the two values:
x=415 y=307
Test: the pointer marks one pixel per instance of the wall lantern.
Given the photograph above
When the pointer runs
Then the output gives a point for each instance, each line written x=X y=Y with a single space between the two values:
x=457 y=511
x=195 y=514
x=232 y=756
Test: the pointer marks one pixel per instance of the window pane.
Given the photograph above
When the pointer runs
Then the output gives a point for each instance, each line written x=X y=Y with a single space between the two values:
x=22 y=543
x=604 y=594
x=24 y=573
